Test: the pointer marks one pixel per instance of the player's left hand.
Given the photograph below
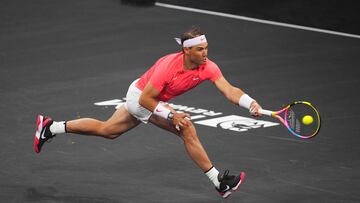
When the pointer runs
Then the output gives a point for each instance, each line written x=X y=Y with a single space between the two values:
x=254 y=109
x=181 y=120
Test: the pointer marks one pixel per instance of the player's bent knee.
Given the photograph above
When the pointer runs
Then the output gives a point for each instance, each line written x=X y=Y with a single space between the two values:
x=108 y=132
x=188 y=133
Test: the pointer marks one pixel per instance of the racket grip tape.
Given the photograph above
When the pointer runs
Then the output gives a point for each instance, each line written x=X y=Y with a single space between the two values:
x=266 y=112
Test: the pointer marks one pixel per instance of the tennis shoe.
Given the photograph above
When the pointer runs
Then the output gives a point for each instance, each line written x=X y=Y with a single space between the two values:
x=43 y=132
x=229 y=183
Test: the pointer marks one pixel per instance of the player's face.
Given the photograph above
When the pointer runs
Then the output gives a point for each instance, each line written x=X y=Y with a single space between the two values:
x=198 y=54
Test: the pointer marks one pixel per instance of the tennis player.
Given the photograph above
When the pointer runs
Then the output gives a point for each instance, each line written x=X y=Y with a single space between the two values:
x=170 y=76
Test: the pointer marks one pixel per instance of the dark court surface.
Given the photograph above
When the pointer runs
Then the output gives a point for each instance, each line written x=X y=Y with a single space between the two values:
x=60 y=57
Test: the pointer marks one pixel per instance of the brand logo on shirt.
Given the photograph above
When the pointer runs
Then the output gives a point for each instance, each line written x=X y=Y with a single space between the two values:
x=195 y=78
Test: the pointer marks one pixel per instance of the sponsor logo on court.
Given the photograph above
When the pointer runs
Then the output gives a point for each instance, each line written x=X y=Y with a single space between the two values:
x=207 y=117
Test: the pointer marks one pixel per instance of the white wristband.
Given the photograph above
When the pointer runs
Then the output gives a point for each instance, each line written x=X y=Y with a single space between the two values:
x=245 y=101
x=162 y=111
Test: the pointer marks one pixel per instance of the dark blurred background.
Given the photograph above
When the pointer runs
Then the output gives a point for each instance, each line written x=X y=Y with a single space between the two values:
x=336 y=15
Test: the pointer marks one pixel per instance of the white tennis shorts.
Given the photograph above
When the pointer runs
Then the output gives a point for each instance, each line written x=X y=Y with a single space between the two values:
x=133 y=106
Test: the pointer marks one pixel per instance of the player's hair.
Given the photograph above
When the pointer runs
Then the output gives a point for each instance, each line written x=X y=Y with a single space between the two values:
x=194 y=31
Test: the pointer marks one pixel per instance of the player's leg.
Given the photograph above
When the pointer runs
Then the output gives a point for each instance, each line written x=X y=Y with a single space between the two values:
x=225 y=184
x=120 y=122
x=192 y=143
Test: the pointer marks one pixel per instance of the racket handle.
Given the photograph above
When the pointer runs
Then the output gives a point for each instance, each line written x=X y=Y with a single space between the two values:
x=265 y=112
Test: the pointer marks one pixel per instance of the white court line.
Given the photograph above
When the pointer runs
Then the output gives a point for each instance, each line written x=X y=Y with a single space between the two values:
x=255 y=20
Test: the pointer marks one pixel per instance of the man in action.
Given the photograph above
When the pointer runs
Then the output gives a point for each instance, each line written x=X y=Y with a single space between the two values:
x=170 y=76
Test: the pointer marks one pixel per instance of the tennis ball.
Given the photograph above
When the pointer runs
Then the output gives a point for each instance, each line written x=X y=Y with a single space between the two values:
x=307 y=120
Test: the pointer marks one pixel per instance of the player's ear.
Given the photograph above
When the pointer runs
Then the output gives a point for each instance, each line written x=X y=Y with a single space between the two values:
x=186 y=50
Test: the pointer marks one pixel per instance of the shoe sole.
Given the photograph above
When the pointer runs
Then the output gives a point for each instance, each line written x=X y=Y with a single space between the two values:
x=236 y=188
x=40 y=124
x=37 y=133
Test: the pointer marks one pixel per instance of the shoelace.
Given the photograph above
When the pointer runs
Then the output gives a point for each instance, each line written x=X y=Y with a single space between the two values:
x=226 y=173
x=224 y=177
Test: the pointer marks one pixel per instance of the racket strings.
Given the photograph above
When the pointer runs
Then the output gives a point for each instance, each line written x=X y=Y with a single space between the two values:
x=295 y=119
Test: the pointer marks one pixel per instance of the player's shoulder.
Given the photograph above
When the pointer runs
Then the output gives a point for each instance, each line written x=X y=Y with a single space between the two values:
x=168 y=62
x=171 y=59
x=211 y=64
x=172 y=56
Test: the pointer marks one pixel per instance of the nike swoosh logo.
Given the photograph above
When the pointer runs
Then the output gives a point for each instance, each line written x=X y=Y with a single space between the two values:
x=195 y=78
x=43 y=133
x=157 y=110
x=227 y=188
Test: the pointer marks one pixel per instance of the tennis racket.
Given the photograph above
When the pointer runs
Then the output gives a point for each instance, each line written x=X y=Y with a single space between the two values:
x=301 y=118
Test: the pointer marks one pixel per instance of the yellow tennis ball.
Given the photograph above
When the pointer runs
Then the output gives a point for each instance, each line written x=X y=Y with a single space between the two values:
x=307 y=120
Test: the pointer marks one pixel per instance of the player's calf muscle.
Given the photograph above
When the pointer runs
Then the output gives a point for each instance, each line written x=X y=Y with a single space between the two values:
x=91 y=126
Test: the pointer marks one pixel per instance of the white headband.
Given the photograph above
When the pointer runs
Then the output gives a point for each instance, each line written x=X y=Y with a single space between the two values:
x=192 y=42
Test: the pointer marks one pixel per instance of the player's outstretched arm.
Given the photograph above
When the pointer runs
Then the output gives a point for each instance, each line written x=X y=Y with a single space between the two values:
x=237 y=96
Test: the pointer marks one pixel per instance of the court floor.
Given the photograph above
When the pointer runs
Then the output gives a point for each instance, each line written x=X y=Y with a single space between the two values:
x=59 y=58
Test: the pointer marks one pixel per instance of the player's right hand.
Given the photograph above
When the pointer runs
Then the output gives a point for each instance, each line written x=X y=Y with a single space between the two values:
x=255 y=109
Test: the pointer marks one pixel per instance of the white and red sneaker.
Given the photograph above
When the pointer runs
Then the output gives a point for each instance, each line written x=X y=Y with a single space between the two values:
x=42 y=133
x=229 y=183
